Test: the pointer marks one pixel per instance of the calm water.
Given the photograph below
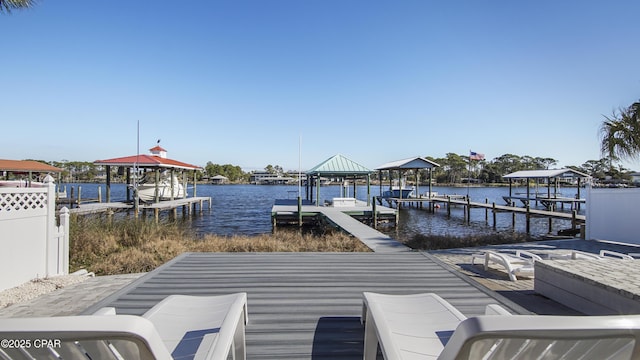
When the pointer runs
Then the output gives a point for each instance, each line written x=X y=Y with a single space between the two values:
x=246 y=209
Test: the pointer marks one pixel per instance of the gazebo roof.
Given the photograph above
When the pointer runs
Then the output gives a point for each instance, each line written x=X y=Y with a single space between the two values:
x=147 y=161
x=410 y=163
x=339 y=165
x=532 y=174
x=27 y=166
x=157 y=159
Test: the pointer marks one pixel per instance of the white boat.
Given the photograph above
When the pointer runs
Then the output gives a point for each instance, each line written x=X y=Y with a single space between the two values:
x=147 y=187
x=21 y=183
x=394 y=192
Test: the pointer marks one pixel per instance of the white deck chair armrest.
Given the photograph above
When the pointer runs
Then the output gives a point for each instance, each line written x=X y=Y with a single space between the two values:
x=69 y=329
x=588 y=331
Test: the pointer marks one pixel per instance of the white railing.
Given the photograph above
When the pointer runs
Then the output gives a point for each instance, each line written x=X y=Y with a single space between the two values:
x=33 y=244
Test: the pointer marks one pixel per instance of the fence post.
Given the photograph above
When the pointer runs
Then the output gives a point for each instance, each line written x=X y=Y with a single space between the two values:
x=64 y=232
x=51 y=266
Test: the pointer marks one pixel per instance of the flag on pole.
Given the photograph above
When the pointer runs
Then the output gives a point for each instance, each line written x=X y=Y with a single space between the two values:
x=475 y=156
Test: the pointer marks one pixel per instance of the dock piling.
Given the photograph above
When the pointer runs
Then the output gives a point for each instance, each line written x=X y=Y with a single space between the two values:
x=299 y=211
x=486 y=211
x=375 y=213
x=494 y=216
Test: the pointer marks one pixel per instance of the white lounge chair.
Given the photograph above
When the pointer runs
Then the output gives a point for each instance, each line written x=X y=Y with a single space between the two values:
x=582 y=255
x=179 y=327
x=614 y=254
x=520 y=264
x=424 y=326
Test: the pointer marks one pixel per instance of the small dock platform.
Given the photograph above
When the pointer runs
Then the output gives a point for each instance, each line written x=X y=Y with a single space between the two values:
x=347 y=218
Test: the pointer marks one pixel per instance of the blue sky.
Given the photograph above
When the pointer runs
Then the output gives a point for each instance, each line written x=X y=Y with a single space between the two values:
x=242 y=81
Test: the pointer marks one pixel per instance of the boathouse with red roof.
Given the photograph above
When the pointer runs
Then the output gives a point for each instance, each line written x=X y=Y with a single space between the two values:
x=156 y=160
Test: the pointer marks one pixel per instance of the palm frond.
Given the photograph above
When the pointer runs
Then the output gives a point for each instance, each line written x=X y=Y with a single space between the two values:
x=8 y=5
x=620 y=134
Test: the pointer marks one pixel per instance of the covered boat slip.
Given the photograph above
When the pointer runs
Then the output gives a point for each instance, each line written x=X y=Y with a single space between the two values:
x=303 y=305
x=552 y=180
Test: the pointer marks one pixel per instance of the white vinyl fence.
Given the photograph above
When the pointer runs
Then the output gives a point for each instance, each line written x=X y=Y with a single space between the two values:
x=33 y=244
x=612 y=214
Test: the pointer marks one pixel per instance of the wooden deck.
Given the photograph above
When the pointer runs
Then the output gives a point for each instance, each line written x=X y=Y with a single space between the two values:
x=303 y=305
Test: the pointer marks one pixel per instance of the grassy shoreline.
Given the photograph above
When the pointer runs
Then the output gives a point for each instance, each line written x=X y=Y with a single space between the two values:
x=127 y=245
x=123 y=246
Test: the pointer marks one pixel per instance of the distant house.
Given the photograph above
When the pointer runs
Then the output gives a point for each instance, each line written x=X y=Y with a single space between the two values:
x=267 y=178
x=635 y=177
x=219 y=180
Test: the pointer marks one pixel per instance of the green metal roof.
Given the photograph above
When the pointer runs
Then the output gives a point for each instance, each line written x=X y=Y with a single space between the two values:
x=339 y=165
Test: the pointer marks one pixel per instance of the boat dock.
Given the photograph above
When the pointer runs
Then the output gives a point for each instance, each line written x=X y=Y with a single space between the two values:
x=187 y=205
x=449 y=201
x=347 y=218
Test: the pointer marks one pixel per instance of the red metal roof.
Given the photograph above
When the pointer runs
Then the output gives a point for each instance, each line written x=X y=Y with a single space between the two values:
x=147 y=161
x=26 y=166
x=157 y=148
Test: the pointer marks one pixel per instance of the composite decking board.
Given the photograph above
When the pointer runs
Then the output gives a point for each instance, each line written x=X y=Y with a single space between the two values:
x=302 y=305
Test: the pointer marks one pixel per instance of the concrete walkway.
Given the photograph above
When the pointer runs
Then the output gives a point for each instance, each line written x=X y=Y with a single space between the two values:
x=70 y=300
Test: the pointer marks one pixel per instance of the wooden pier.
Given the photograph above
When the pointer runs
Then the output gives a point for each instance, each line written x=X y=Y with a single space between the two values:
x=551 y=203
x=449 y=201
x=187 y=204
x=347 y=218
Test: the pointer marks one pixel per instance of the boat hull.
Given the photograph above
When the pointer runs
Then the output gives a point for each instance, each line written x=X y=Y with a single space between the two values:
x=147 y=193
x=395 y=193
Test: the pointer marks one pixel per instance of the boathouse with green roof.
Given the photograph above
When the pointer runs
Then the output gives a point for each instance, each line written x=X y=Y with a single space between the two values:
x=337 y=166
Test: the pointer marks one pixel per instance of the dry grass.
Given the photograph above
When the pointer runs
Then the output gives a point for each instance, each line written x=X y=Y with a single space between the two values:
x=436 y=242
x=130 y=246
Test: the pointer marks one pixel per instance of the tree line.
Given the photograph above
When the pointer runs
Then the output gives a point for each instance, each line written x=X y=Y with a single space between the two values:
x=454 y=168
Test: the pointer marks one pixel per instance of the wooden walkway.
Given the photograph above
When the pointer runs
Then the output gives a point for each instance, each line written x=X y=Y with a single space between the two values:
x=100 y=207
x=371 y=237
x=342 y=218
x=303 y=305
